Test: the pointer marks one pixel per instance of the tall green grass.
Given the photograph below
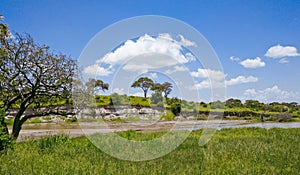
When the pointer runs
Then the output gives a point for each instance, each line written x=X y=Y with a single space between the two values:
x=230 y=151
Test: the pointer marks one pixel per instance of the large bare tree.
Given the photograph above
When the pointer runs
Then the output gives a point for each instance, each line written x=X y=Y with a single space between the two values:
x=31 y=76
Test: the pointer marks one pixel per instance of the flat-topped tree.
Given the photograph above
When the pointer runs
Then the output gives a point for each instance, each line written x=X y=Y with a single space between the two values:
x=32 y=75
x=144 y=83
x=167 y=88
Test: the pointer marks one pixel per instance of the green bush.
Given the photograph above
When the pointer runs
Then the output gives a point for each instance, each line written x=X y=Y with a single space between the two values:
x=5 y=139
x=168 y=116
x=176 y=108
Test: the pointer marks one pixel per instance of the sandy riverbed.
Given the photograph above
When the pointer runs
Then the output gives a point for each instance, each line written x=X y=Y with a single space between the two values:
x=30 y=131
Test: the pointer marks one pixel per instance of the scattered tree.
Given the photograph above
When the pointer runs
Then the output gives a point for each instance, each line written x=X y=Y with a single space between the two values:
x=31 y=75
x=144 y=83
x=96 y=85
x=85 y=92
x=167 y=88
x=234 y=103
x=157 y=87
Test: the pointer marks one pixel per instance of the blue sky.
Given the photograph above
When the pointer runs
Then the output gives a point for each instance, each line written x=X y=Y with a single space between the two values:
x=262 y=38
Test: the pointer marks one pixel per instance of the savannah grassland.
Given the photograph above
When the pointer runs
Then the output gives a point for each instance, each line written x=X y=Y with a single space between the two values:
x=230 y=151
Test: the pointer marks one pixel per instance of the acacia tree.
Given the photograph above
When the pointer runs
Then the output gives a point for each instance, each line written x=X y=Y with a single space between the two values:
x=167 y=88
x=31 y=75
x=144 y=83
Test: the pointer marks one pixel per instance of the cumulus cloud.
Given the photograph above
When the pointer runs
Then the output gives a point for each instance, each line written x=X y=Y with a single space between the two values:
x=241 y=80
x=208 y=73
x=163 y=44
x=137 y=94
x=176 y=69
x=213 y=78
x=216 y=79
x=97 y=70
x=281 y=51
x=253 y=63
x=205 y=84
x=186 y=42
x=153 y=75
x=270 y=95
x=144 y=53
x=119 y=91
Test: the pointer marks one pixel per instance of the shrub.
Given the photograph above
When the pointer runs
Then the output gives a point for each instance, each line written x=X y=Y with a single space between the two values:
x=176 y=108
x=5 y=139
x=168 y=116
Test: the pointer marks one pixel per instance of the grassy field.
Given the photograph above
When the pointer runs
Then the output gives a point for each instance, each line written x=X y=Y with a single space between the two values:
x=231 y=151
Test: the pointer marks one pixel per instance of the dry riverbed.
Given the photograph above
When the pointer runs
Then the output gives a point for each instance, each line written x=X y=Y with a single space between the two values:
x=32 y=131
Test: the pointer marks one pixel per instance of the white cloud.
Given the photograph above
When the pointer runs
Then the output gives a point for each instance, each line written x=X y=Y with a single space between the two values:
x=205 y=84
x=218 y=81
x=213 y=78
x=97 y=70
x=144 y=62
x=208 y=73
x=186 y=42
x=253 y=63
x=270 y=95
x=281 y=51
x=283 y=61
x=233 y=58
x=119 y=91
x=176 y=69
x=241 y=80
x=138 y=94
x=147 y=45
x=153 y=75
x=190 y=57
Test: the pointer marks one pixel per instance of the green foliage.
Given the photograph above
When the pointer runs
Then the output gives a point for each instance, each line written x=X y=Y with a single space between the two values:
x=168 y=116
x=47 y=143
x=144 y=83
x=233 y=103
x=217 y=105
x=157 y=99
x=176 y=108
x=139 y=101
x=5 y=139
x=102 y=100
x=115 y=99
x=9 y=122
x=230 y=151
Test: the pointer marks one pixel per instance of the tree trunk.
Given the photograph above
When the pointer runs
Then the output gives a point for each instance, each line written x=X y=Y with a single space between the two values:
x=16 y=129
x=145 y=94
x=17 y=126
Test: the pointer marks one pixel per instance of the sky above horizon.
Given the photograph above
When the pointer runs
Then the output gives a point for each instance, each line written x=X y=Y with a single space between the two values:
x=257 y=42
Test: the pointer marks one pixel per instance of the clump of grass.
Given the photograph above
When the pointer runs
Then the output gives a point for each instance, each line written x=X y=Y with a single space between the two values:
x=168 y=116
